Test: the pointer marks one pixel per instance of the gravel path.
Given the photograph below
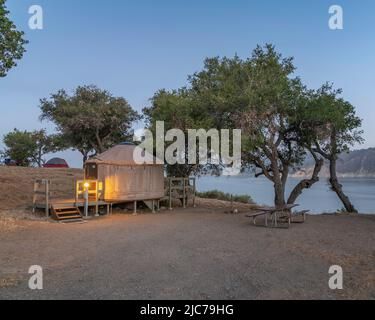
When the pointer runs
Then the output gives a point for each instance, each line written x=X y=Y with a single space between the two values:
x=199 y=253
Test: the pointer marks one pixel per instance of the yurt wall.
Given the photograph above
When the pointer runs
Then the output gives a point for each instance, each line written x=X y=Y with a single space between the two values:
x=124 y=180
x=129 y=183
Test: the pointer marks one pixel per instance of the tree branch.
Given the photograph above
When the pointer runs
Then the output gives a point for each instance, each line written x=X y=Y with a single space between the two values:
x=307 y=183
x=319 y=150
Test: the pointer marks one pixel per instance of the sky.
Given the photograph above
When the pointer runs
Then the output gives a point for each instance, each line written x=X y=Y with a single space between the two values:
x=133 y=48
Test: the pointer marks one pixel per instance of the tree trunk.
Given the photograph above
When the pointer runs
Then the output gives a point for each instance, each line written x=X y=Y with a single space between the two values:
x=306 y=183
x=100 y=147
x=279 y=194
x=84 y=156
x=279 y=180
x=337 y=187
x=40 y=158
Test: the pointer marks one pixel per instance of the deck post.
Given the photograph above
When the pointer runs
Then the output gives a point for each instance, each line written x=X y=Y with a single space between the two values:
x=47 y=197
x=184 y=192
x=153 y=206
x=170 y=193
x=135 y=208
x=275 y=219
x=97 y=199
x=86 y=202
x=76 y=192
x=34 y=195
x=194 y=191
x=74 y=188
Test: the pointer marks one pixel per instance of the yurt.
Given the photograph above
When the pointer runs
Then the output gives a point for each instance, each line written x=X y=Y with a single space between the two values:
x=123 y=179
x=56 y=163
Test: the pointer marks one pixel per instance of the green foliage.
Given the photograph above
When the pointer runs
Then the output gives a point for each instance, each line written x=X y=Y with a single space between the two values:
x=257 y=95
x=219 y=195
x=44 y=144
x=327 y=123
x=28 y=148
x=178 y=111
x=212 y=96
x=91 y=120
x=174 y=108
x=328 y=126
x=11 y=42
x=272 y=97
x=219 y=90
x=20 y=147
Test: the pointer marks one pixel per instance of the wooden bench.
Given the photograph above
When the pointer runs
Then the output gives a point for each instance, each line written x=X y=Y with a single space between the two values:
x=279 y=214
x=255 y=215
x=302 y=214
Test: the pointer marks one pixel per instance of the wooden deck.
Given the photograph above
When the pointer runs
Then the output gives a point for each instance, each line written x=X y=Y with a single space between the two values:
x=47 y=197
x=70 y=203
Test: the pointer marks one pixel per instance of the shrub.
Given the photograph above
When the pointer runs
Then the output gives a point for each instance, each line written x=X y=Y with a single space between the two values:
x=219 y=195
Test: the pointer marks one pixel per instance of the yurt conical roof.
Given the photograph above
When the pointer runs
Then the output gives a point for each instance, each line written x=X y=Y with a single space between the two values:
x=123 y=155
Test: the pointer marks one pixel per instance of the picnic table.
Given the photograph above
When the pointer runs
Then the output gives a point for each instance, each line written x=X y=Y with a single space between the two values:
x=277 y=214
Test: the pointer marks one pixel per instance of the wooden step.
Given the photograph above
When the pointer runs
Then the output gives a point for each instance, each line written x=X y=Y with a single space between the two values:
x=69 y=218
x=72 y=220
x=67 y=214
x=72 y=214
x=65 y=208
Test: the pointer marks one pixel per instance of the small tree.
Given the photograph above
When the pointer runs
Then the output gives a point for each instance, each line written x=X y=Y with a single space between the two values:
x=20 y=147
x=89 y=121
x=331 y=127
x=44 y=144
x=11 y=42
x=28 y=148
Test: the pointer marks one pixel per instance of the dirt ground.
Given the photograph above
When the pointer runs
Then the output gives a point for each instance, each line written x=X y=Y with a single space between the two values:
x=200 y=253
x=193 y=253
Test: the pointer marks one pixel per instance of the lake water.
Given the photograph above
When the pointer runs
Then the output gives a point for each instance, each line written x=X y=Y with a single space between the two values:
x=318 y=199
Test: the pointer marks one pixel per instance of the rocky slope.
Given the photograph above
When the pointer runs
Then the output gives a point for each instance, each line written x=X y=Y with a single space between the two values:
x=358 y=163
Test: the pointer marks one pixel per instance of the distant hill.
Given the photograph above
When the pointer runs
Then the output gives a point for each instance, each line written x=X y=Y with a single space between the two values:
x=358 y=163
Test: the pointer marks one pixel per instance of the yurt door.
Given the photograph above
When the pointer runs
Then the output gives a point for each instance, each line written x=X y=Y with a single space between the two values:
x=91 y=171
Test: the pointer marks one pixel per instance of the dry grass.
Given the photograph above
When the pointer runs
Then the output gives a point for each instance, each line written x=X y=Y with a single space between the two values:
x=16 y=192
x=8 y=281
x=227 y=205
x=7 y=223
x=16 y=184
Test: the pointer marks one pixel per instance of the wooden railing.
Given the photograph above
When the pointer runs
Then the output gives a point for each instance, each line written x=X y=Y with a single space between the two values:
x=42 y=189
x=180 y=189
x=94 y=191
x=63 y=192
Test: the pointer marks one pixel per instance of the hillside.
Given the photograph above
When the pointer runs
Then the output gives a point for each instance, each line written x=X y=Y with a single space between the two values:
x=16 y=184
x=358 y=163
